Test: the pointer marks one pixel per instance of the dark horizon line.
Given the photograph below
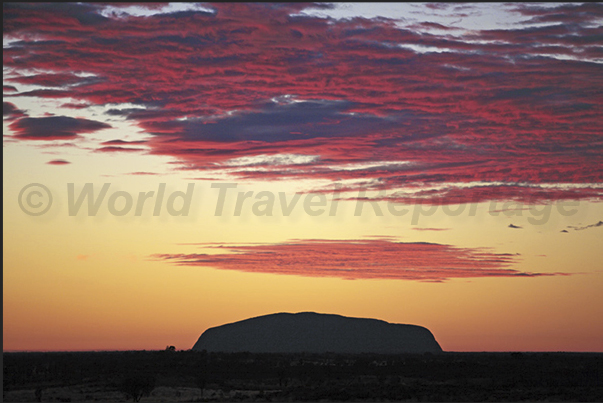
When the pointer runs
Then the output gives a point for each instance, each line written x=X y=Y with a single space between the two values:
x=326 y=352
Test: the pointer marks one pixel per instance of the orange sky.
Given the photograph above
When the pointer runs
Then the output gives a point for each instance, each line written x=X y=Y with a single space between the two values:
x=92 y=283
x=495 y=161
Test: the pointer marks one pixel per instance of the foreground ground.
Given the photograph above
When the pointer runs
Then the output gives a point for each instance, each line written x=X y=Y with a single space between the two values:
x=188 y=376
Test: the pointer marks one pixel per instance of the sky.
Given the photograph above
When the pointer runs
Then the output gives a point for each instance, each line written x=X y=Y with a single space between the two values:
x=170 y=167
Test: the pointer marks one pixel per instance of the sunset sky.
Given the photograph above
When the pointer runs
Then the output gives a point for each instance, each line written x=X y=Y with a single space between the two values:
x=430 y=164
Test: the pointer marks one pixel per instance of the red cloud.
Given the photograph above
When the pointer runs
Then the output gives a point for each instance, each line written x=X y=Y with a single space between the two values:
x=115 y=149
x=71 y=105
x=506 y=110
x=58 y=162
x=119 y=142
x=357 y=259
x=142 y=173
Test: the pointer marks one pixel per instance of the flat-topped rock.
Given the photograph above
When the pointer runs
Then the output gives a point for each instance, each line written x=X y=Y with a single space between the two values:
x=317 y=333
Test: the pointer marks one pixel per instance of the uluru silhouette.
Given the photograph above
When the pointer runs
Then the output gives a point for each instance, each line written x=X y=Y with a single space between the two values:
x=316 y=333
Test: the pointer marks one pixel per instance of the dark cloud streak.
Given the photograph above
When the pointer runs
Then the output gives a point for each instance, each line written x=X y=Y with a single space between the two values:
x=54 y=127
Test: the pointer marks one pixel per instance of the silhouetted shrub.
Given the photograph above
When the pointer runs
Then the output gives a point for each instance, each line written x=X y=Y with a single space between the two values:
x=138 y=387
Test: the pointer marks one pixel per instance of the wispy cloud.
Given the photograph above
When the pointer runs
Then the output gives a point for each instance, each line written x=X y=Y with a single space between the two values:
x=598 y=224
